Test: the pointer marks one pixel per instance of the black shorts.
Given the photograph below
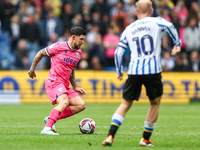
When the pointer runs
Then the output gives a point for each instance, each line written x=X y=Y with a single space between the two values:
x=133 y=85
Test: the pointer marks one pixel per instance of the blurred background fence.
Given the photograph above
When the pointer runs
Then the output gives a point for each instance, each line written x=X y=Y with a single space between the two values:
x=101 y=87
x=26 y=26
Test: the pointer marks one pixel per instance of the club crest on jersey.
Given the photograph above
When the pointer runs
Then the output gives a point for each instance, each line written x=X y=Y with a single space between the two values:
x=77 y=55
x=60 y=89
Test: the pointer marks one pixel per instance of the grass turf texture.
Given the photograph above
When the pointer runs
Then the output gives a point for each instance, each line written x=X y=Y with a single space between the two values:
x=178 y=128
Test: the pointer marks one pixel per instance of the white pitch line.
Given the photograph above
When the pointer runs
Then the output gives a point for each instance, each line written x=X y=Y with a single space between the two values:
x=105 y=133
x=144 y=116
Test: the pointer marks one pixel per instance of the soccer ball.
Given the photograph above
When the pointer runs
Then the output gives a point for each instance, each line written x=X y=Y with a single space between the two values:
x=87 y=126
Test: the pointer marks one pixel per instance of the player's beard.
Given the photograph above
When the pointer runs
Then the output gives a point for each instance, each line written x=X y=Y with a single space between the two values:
x=77 y=46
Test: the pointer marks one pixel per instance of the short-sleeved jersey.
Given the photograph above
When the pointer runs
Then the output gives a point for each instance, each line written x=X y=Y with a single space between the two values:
x=144 y=38
x=63 y=60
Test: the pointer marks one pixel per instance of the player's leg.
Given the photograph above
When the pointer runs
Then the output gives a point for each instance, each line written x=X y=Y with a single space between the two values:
x=118 y=116
x=150 y=122
x=117 y=119
x=53 y=128
x=131 y=92
x=76 y=104
x=154 y=91
x=152 y=114
x=62 y=103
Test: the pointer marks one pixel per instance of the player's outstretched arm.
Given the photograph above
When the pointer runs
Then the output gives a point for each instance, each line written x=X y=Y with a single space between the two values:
x=37 y=58
x=176 y=50
x=72 y=80
x=172 y=31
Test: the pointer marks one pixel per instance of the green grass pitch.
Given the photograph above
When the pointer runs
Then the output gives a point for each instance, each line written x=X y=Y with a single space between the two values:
x=177 y=128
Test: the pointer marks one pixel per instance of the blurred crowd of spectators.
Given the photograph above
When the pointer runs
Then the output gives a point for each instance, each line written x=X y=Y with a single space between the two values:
x=27 y=26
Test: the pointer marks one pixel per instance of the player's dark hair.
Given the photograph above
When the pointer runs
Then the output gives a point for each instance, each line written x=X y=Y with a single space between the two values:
x=76 y=30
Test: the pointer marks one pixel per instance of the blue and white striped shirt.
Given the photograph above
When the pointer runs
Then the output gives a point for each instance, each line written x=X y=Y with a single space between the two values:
x=144 y=38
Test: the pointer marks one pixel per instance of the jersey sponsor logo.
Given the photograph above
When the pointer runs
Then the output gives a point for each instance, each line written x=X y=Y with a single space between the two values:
x=69 y=60
x=60 y=89
x=140 y=23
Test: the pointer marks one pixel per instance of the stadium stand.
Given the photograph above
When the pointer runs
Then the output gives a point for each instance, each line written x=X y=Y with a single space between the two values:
x=40 y=22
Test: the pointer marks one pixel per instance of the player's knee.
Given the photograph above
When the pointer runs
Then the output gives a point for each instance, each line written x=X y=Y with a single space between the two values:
x=126 y=104
x=82 y=106
x=64 y=102
x=156 y=101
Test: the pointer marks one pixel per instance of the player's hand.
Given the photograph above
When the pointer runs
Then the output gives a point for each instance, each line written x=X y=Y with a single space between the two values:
x=32 y=74
x=176 y=50
x=80 y=90
x=120 y=77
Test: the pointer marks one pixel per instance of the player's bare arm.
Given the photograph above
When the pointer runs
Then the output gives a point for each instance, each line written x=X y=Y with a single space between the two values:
x=37 y=58
x=72 y=80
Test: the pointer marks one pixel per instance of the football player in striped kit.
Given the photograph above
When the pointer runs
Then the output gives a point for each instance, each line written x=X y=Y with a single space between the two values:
x=144 y=40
